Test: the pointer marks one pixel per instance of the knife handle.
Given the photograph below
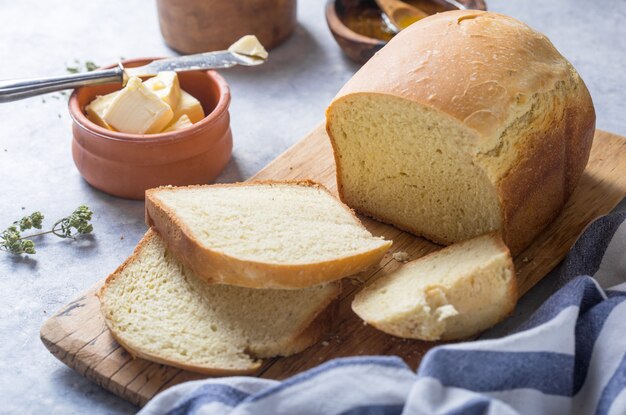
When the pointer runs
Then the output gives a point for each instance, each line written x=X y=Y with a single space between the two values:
x=13 y=90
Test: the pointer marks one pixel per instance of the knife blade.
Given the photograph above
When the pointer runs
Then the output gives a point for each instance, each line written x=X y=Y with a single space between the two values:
x=201 y=61
x=12 y=90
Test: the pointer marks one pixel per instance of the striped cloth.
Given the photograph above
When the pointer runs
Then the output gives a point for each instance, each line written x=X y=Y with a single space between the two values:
x=569 y=357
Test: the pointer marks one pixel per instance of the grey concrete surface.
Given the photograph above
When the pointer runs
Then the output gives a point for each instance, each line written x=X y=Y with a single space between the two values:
x=273 y=106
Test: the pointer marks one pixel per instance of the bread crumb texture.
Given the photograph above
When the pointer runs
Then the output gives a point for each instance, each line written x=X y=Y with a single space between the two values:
x=401 y=256
x=160 y=310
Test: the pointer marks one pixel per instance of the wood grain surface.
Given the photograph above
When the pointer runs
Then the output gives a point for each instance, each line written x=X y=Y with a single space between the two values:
x=77 y=335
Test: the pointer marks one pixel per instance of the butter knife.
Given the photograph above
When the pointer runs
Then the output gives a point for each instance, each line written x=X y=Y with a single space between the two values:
x=13 y=90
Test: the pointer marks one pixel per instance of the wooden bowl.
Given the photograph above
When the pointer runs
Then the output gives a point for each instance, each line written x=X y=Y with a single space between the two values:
x=125 y=165
x=193 y=26
x=359 y=29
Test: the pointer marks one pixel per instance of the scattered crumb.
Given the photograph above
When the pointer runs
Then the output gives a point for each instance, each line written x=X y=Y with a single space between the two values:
x=356 y=282
x=401 y=256
x=23 y=207
x=325 y=343
x=525 y=259
x=290 y=168
x=44 y=311
x=122 y=238
x=5 y=150
x=59 y=115
x=43 y=100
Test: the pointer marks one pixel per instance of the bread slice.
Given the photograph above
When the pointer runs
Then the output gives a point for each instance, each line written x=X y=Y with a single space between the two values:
x=287 y=235
x=451 y=294
x=160 y=311
x=465 y=123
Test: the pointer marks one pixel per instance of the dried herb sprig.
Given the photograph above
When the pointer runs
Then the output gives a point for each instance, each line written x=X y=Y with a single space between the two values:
x=12 y=241
x=89 y=66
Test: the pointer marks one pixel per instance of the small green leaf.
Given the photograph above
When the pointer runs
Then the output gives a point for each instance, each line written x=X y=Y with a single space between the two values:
x=90 y=66
x=12 y=241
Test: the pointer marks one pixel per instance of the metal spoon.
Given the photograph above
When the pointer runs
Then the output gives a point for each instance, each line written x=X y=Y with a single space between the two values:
x=456 y=4
x=400 y=14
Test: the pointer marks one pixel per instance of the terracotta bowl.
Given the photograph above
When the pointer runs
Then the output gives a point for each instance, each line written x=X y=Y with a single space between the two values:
x=359 y=29
x=125 y=165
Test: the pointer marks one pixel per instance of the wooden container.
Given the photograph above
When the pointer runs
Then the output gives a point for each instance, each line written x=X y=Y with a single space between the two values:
x=359 y=29
x=193 y=26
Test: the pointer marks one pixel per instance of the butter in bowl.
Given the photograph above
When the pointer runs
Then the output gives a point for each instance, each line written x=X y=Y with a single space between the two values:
x=173 y=129
x=149 y=107
x=169 y=129
x=158 y=104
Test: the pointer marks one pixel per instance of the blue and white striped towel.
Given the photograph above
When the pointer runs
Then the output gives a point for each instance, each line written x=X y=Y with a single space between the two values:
x=569 y=357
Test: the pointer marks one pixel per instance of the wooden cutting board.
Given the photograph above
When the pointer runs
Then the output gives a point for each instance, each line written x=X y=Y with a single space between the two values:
x=78 y=336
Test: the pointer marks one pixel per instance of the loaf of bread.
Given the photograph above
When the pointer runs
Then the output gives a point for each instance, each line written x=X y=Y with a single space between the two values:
x=452 y=294
x=159 y=310
x=263 y=235
x=467 y=122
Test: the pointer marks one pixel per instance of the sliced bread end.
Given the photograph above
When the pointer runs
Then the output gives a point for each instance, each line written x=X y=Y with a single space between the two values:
x=452 y=294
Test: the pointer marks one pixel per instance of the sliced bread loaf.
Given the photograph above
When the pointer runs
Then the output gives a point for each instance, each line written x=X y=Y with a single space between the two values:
x=264 y=234
x=451 y=294
x=159 y=310
x=466 y=122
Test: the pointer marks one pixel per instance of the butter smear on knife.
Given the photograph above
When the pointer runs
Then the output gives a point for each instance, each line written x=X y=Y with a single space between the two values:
x=250 y=46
